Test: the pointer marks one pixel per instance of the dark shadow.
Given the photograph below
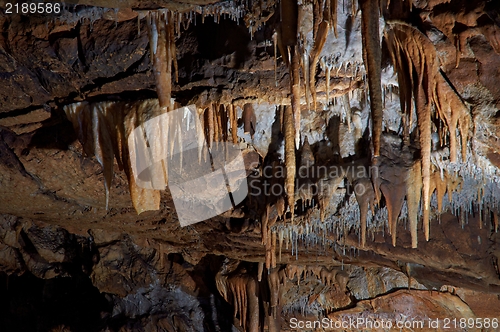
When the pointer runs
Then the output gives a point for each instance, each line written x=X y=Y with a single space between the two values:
x=56 y=132
x=333 y=133
x=348 y=30
x=216 y=40
x=217 y=312
x=32 y=304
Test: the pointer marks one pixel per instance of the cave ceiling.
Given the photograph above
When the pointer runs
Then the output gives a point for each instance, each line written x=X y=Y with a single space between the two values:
x=378 y=122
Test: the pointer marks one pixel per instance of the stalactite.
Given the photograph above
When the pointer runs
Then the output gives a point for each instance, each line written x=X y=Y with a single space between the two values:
x=234 y=123
x=162 y=45
x=305 y=71
x=415 y=60
x=305 y=189
x=171 y=138
x=319 y=42
x=275 y=42
x=440 y=190
x=317 y=16
x=239 y=299
x=280 y=206
x=280 y=239
x=209 y=120
x=327 y=189
x=179 y=143
x=138 y=25
x=365 y=197
x=290 y=159
x=249 y=119
x=274 y=287
x=173 y=52
x=306 y=158
x=216 y=121
x=295 y=93
x=222 y=121
x=452 y=183
x=267 y=255
x=241 y=289
x=328 y=276
x=423 y=107
x=330 y=14
x=260 y=269
x=201 y=138
x=292 y=271
x=273 y=249
x=315 y=270
x=103 y=130
x=480 y=213
x=454 y=113
x=300 y=272
x=142 y=199
x=413 y=191
x=103 y=149
x=394 y=194
x=267 y=238
x=372 y=55
x=346 y=104
x=163 y=53
x=280 y=113
x=372 y=58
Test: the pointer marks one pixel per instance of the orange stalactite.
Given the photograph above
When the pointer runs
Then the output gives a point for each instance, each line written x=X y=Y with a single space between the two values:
x=365 y=197
x=330 y=14
x=162 y=49
x=394 y=197
x=290 y=159
x=103 y=130
x=319 y=42
x=241 y=289
x=372 y=58
x=372 y=55
x=216 y=122
x=420 y=79
x=413 y=192
x=209 y=123
x=305 y=71
x=295 y=93
x=273 y=281
x=234 y=123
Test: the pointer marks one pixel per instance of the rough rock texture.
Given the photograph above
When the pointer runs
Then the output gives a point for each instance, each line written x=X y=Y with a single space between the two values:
x=113 y=270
